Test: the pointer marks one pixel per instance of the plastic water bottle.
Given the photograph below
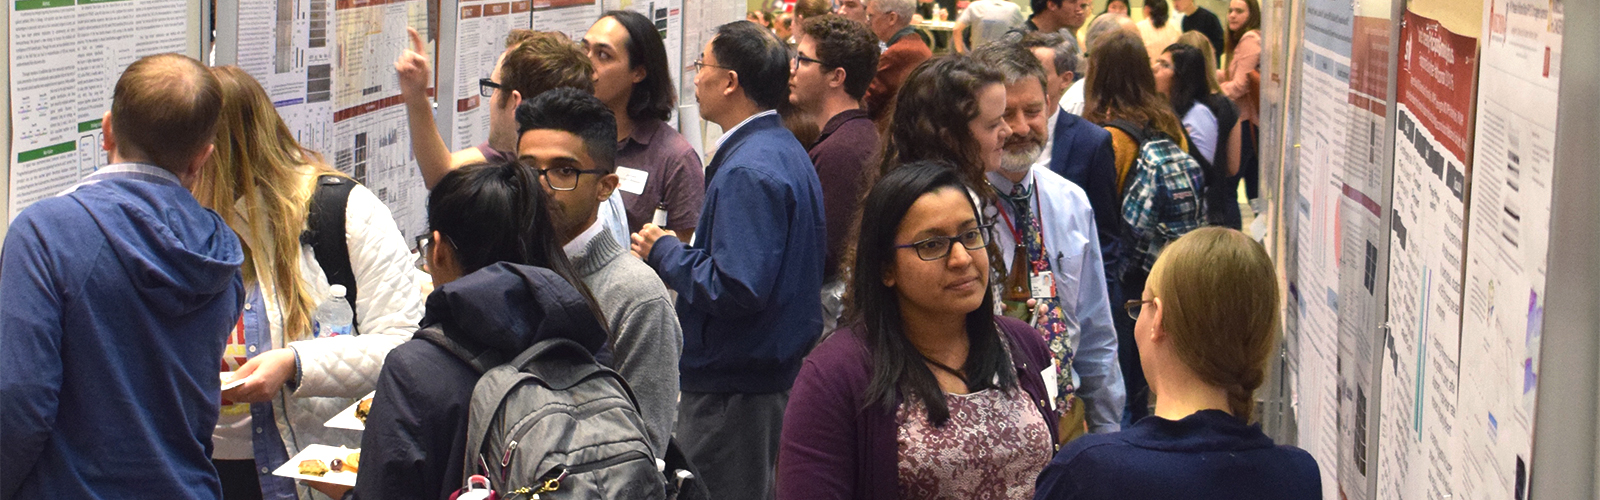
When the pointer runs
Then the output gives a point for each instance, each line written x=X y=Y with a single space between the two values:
x=334 y=316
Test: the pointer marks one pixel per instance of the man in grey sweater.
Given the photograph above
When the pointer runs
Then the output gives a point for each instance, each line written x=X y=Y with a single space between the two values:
x=570 y=137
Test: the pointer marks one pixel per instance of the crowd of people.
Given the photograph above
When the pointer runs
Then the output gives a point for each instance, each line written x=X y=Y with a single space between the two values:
x=1013 y=272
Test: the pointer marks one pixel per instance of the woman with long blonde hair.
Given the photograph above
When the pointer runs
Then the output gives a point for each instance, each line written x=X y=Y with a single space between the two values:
x=261 y=181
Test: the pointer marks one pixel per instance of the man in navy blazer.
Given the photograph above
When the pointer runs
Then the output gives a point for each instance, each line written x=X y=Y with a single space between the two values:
x=748 y=280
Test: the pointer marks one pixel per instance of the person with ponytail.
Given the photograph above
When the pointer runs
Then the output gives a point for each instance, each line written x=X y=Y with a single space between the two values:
x=1207 y=323
x=261 y=181
x=502 y=282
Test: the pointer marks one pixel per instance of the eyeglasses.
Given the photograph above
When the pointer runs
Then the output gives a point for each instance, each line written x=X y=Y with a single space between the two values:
x=486 y=87
x=938 y=247
x=564 y=178
x=701 y=63
x=1133 y=307
x=794 y=63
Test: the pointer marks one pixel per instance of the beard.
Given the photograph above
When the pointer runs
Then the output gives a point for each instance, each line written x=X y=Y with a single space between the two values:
x=1020 y=155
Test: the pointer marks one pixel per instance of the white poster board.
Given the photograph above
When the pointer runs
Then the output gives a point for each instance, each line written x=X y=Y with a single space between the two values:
x=479 y=40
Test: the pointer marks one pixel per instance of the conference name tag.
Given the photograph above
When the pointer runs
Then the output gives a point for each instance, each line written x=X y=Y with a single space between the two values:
x=1052 y=381
x=631 y=180
x=1043 y=285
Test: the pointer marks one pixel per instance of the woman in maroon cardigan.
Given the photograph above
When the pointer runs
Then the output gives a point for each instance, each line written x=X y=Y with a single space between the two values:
x=928 y=394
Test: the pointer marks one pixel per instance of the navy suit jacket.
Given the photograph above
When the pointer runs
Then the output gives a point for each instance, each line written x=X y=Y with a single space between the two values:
x=1082 y=152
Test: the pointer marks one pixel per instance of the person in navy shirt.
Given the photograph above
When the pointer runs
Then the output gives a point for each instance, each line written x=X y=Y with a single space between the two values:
x=1205 y=331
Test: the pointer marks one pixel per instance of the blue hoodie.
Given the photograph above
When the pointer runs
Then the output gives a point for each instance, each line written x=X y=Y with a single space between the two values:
x=118 y=297
x=416 y=437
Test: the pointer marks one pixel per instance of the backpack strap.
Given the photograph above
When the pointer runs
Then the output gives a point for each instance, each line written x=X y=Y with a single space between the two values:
x=480 y=358
x=325 y=233
x=1138 y=133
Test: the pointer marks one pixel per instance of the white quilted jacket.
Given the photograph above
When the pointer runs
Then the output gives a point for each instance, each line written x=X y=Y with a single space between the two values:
x=336 y=370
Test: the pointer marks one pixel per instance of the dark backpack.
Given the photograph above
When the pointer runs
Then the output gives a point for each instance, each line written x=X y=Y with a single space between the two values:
x=325 y=233
x=555 y=423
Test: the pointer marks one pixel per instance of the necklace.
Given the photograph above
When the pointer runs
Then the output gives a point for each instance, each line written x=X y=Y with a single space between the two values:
x=946 y=368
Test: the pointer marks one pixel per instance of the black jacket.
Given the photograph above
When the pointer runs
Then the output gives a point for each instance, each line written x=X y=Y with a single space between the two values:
x=416 y=433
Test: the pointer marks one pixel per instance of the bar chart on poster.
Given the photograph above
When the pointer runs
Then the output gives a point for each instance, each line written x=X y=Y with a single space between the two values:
x=479 y=40
x=64 y=60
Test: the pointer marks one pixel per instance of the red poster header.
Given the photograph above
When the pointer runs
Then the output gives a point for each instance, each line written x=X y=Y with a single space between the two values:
x=1438 y=79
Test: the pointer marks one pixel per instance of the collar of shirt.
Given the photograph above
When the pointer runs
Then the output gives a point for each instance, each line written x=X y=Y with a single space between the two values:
x=643 y=132
x=729 y=132
x=576 y=247
x=142 y=171
x=839 y=120
x=898 y=34
x=1004 y=185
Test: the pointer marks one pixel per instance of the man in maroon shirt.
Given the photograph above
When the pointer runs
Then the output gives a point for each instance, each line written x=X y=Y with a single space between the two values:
x=890 y=20
x=834 y=63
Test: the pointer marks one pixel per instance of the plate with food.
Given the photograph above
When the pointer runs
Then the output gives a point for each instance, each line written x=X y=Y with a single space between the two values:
x=323 y=463
x=354 y=417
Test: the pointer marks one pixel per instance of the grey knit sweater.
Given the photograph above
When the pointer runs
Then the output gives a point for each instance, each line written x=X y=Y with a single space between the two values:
x=646 y=340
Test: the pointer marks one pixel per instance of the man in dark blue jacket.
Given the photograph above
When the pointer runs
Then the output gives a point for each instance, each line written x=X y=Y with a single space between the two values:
x=748 y=282
x=119 y=295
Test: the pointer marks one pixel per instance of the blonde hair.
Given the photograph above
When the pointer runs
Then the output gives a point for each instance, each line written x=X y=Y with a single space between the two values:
x=1219 y=303
x=258 y=162
x=1197 y=40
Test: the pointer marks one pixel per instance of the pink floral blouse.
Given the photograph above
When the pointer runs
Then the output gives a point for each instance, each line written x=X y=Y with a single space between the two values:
x=993 y=447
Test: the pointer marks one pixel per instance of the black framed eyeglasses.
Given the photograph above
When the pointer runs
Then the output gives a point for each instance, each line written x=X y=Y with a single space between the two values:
x=486 y=87
x=794 y=62
x=1133 y=307
x=938 y=247
x=565 y=178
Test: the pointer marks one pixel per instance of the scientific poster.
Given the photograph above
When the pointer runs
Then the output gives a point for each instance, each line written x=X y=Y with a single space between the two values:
x=370 y=135
x=1421 y=366
x=571 y=17
x=1508 y=235
x=480 y=40
x=668 y=18
x=65 y=58
x=1324 y=113
x=285 y=45
x=1362 y=240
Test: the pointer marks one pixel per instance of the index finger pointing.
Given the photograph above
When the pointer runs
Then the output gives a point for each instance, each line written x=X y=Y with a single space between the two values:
x=416 y=40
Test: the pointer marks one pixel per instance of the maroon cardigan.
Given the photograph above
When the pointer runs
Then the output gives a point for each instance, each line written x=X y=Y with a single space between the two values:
x=834 y=446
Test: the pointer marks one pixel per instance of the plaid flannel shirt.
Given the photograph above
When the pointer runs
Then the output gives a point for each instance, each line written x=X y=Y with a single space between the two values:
x=1163 y=201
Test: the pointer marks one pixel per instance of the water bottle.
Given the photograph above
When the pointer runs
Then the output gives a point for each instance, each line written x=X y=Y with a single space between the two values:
x=334 y=316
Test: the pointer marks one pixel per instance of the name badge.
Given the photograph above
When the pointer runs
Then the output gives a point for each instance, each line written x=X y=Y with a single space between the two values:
x=1052 y=381
x=1043 y=285
x=631 y=180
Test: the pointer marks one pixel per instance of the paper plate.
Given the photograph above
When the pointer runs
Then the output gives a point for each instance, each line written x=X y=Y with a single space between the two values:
x=319 y=452
x=346 y=419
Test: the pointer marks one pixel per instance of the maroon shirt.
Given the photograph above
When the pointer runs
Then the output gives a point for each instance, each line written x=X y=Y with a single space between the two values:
x=675 y=172
x=848 y=141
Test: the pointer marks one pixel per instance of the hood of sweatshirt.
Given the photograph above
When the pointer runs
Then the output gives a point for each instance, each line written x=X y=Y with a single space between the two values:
x=177 y=255
x=508 y=307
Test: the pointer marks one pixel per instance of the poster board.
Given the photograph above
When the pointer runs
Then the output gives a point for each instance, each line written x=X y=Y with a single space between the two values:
x=571 y=17
x=1507 y=237
x=474 y=33
x=1432 y=165
x=63 y=61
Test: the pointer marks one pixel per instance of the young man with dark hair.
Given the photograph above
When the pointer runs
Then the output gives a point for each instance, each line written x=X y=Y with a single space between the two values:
x=569 y=136
x=833 y=65
x=1197 y=18
x=119 y=296
x=658 y=168
x=1058 y=16
x=747 y=283
x=904 y=50
x=1052 y=219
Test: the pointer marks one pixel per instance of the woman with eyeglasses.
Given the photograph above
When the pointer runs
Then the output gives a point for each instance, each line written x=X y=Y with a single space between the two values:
x=293 y=378
x=1207 y=321
x=502 y=282
x=927 y=393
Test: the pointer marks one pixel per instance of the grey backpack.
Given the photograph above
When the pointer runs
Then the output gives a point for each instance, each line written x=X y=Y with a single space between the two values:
x=555 y=424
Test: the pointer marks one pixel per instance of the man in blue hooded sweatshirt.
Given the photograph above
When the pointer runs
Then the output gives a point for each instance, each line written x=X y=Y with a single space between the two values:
x=119 y=294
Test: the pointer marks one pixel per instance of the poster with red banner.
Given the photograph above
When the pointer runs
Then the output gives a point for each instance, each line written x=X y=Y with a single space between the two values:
x=1432 y=168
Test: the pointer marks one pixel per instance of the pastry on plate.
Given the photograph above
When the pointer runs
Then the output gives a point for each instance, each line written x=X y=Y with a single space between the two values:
x=313 y=468
x=362 y=409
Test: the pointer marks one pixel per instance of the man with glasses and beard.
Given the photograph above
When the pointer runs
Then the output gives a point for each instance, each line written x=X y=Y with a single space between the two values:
x=1050 y=219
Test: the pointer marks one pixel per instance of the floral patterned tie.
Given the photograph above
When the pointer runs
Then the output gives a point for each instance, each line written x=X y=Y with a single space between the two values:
x=1052 y=322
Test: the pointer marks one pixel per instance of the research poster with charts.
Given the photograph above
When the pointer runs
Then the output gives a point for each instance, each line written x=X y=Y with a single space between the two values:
x=286 y=45
x=480 y=40
x=571 y=17
x=65 y=58
x=370 y=136
x=1325 y=60
x=1508 y=233
x=1421 y=366
x=667 y=15
x=1360 y=239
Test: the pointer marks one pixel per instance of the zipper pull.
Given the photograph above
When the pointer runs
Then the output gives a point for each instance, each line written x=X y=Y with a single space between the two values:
x=505 y=461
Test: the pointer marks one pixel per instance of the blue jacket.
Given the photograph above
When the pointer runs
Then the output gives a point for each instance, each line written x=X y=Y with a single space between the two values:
x=416 y=437
x=1207 y=455
x=1082 y=152
x=118 y=298
x=749 y=284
